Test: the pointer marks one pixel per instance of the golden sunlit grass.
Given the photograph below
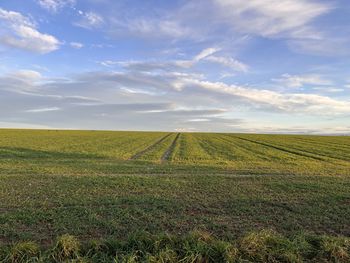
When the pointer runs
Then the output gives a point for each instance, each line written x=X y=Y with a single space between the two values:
x=263 y=246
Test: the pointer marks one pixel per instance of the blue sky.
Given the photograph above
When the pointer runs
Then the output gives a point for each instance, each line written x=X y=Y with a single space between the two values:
x=275 y=66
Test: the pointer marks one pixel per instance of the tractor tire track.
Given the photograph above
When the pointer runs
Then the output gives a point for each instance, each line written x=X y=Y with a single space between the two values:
x=291 y=151
x=170 y=150
x=149 y=148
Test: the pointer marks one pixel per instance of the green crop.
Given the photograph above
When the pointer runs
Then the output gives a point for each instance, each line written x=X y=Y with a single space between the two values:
x=103 y=184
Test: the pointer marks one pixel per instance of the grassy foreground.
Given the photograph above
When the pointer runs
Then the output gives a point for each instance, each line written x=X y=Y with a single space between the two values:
x=263 y=246
x=41 y=207
x=112 y=185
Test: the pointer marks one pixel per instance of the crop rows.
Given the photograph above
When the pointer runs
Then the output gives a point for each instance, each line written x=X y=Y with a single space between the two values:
x=262 y=151
x=101 y=184
x=121 y=145
x=318 y=147
x=240 y=152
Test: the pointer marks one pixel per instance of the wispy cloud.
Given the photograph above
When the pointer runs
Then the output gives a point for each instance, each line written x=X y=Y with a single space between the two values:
x=148 y=27
x=290 y=20
x=89 y=20
x=170 y=100
x=229 y=62
x=272 y=18
x=298 y=81
x=328 y=45
x=206 y=55
x=26 y=75
x=76 y=45
x=43 y=109
x=328 y=89
x=55 y=5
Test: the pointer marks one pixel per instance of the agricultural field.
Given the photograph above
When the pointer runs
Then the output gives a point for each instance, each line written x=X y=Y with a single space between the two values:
x=101 y=184
x=102 y=152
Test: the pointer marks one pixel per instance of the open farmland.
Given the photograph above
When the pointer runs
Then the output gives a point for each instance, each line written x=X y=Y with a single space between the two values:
x=99 y=184
x=103 y=153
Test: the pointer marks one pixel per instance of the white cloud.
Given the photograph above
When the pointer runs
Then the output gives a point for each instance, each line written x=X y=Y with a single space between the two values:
x=227 y=75
x=198 y=120
x=298 y=81
x=229 y=62
x=26 y=75
x=21 y=80
x=328 y=89
x=181 y=88
x=205 y=53
x=43 y=109
x=147 y=27
x=76 y=45
x=55 y=5
x=108 y=63
x=90 y=20
x=20 y=32
x=101 y=46
x=292 y=103
x=162 y=99
x=163 y=79
x=188 y=63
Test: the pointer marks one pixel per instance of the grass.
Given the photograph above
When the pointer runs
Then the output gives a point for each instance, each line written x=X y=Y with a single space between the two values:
x=263 y=246
x=97 y=152
x=112 y=185
x=43 y=206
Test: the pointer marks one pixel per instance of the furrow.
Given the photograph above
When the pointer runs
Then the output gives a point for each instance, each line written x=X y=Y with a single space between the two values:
x=139 y=154
x=168 y=152
x=284 y=149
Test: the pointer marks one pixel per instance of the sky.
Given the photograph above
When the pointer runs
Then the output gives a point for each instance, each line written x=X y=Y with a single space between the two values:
x=272 y=66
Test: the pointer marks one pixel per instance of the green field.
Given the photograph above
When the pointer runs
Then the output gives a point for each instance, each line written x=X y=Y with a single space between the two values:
x=99 y=184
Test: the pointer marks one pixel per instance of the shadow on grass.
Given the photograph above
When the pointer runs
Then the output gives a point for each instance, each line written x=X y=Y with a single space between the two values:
x=18 y=152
